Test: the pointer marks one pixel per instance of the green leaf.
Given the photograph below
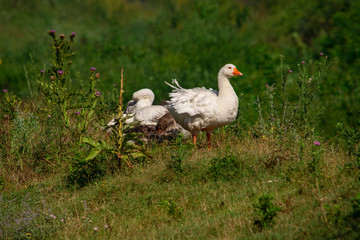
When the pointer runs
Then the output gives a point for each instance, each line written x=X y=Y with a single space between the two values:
x=137 y=154
x=97 y=147
x=90 y=141
x=93 y=153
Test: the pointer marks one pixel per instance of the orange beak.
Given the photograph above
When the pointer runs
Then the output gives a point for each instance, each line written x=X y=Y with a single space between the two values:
x=236 y=72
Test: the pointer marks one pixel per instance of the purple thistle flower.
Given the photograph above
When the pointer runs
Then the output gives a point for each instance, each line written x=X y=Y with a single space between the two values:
x=97 y=93
x=317 y=143
x=60 y=72
x=49 y=116
x=77 y=113
x=42 y=71
x=52 y=33
x=302 y=62
x=5 y=90
x=72 y=35
x=93 y=69
x=290 y=71
x=321 y=54
x=267 y=85
x=114 y=84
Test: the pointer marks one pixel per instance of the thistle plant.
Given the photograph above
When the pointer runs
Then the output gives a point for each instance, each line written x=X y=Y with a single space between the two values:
x=55 y=85
x=315 y=164
x=56 y=89
x=309 y=78
x=351 y=137
x=125 y=146
x=85 y=107
x=12 y=104
x=261 y=120
x=293 y=118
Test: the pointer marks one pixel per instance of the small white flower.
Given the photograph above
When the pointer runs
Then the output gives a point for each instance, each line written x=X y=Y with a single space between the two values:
x=95 y=228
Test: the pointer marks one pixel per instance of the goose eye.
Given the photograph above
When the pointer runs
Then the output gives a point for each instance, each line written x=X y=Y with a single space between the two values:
x=229 y=67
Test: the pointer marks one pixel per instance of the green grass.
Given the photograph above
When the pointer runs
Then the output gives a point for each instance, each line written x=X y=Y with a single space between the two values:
x=135 y=204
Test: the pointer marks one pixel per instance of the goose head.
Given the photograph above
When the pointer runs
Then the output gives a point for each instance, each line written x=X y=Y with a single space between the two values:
x=144 y=94
x=228 y=71
x=166 y=123
x=143 y=98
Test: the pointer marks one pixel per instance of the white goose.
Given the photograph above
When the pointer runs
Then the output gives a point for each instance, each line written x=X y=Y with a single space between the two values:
x=149 y=115
x=140 y=99
x=200 y=109
x=140 y=108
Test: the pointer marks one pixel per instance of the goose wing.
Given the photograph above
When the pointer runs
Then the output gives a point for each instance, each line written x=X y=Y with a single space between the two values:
x=192 y=102
x=150 y=115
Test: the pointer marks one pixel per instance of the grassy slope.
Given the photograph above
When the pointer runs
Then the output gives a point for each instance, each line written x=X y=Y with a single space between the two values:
x=129 y=204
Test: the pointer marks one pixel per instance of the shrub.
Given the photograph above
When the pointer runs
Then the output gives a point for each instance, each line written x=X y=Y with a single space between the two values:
x=223 y=168
x=265 y=211
x=83 y=172
x=182 y=151
x=172 y=209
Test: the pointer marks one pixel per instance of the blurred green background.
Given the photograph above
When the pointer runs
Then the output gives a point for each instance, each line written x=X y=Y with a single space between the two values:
x=155 y=41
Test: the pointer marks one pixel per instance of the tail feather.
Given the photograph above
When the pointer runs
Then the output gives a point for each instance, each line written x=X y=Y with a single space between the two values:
x=175 y=82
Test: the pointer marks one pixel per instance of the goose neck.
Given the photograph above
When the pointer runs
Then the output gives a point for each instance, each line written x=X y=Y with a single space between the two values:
x=225 y=88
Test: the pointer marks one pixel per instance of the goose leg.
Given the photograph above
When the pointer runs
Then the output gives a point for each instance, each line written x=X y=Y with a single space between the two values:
x=209 y=139
x=194 y=139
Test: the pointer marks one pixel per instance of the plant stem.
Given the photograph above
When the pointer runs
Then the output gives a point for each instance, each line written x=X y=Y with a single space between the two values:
x=120 y=134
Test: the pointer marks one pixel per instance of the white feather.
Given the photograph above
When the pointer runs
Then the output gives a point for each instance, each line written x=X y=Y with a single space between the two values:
x=201 y=109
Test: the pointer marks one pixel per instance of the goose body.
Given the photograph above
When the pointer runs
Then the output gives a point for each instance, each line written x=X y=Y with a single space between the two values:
x=201 y=109
x=140 y=99
x=140 y=108
x=167 y=124
x=150 y=115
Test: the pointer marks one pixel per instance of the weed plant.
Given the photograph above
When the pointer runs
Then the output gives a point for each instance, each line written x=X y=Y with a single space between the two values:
x=174 y=211
x=223 y=168
x=125 y=145
x=181 y=152
x=265 y=211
